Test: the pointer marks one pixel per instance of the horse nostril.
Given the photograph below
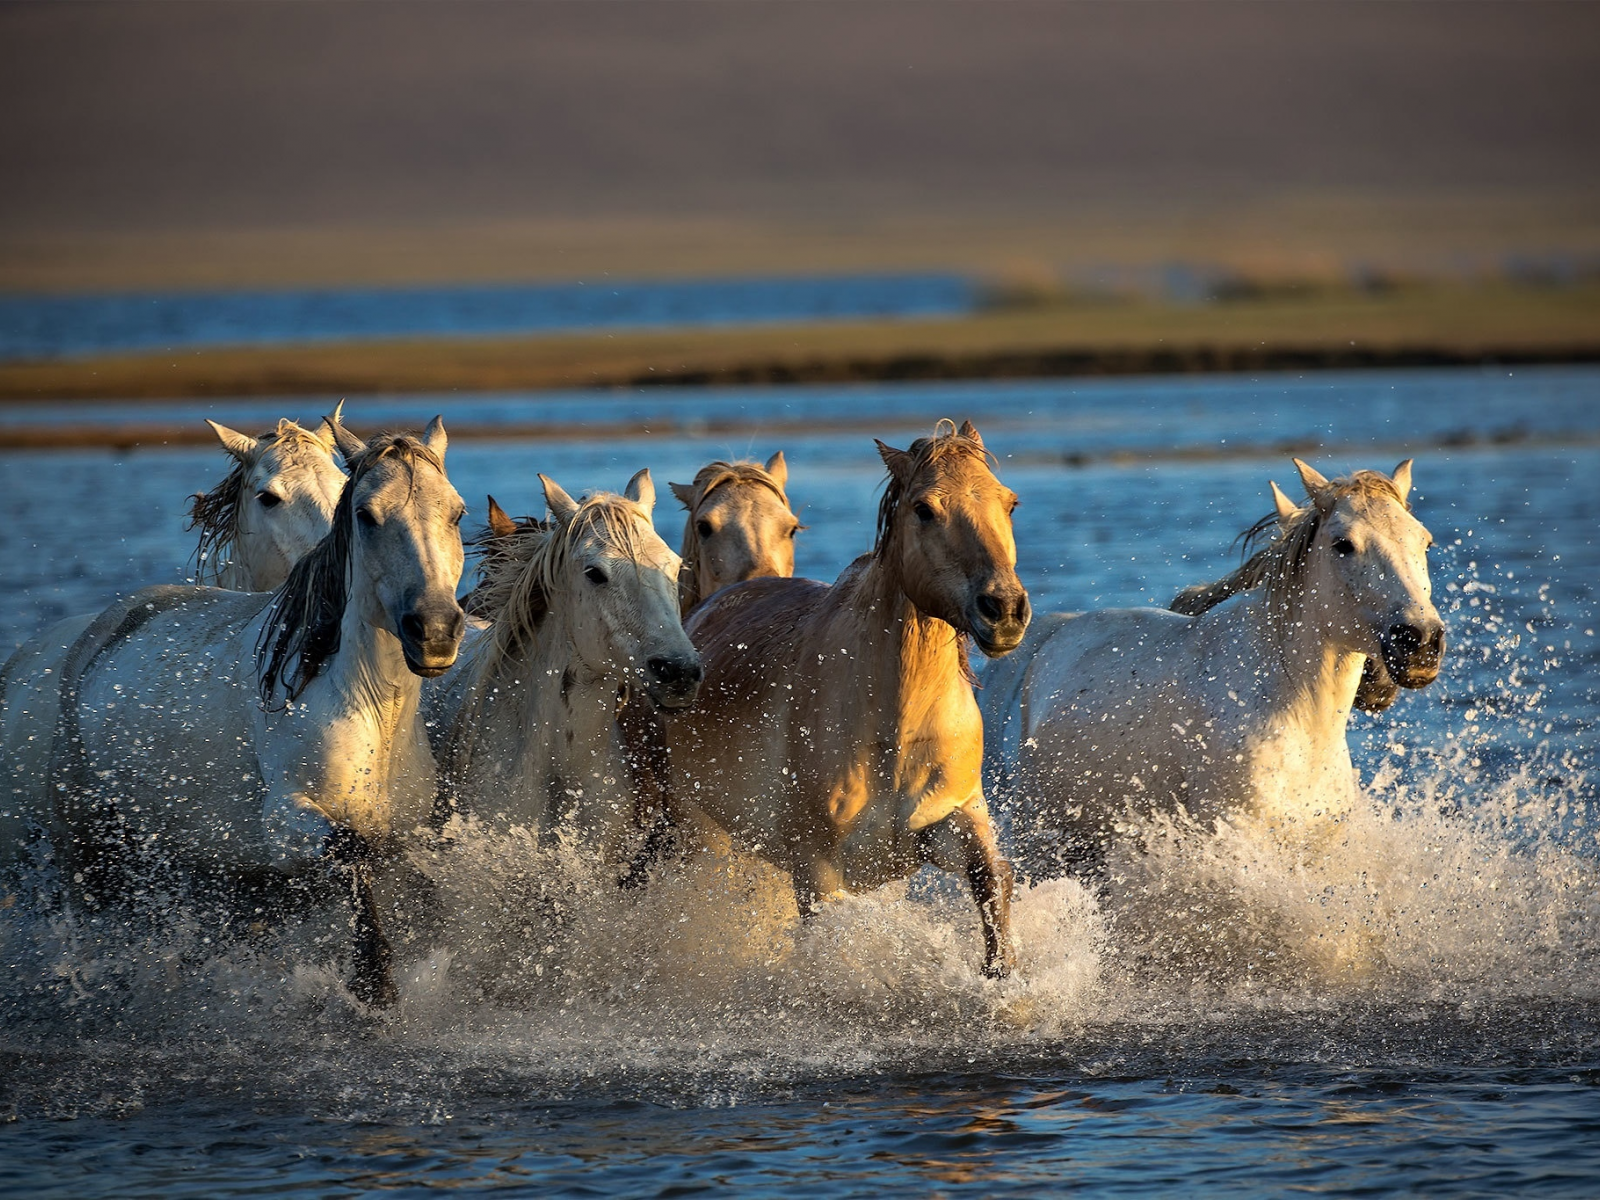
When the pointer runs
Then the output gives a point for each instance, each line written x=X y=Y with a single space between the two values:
x=990 y=608
x=675 y=672
x=1406 y=638
x=1435 y=644
x=412 y=626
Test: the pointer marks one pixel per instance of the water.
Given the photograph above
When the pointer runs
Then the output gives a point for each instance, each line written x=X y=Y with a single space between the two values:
x=34 y=327
x=1414 y=1010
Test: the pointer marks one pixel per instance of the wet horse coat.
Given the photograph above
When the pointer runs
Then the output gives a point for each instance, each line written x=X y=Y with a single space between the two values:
x=836 y=735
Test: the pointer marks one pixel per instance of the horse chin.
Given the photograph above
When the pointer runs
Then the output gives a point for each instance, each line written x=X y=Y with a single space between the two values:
x=665 y=698
x=428 y=668
x=991 y=646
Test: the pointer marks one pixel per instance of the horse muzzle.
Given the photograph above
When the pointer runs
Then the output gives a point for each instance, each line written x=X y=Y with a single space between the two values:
x=1412 y=654
x=673 y=682
x=431 y=641
x=998 y=619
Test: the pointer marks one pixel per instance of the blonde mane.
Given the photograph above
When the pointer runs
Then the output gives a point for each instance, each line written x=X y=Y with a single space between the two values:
x=301 y=632
x=706 y=481
x=1278 y=564
x=518 y=572
x=217 y=513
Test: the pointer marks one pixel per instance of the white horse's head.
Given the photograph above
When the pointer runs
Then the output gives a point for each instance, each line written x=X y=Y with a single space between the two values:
x=270 y=510
x=739 y=526
x=1365 y=559
x=614 y=583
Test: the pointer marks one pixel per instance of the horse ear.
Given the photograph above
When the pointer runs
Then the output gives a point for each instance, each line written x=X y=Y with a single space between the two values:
x=347 y=443
x=641 y=490
x=970 y=431
x=324 y=431
x=898 y=461
x=562 y=506
x=1284 y=505
x=1310 y=478
x=684 y=492
x=1402 y=479
x=500 y=525
x=434 y=437
x=240 y=445
x=778 y=469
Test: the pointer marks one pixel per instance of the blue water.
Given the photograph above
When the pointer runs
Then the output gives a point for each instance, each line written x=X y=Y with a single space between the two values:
x=34 y=327
x=1186 y=1035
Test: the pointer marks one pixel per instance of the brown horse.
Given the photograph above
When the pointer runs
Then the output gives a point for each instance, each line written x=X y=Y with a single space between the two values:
x=836 y=734
x=739 y=526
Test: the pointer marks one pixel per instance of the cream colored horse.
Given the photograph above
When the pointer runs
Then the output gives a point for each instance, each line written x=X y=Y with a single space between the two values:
x=266 y=514
x=739 y=526
x=1241 y=708
x=581 y=612
x=837 y=735
x=270 y=510
x=223 y=733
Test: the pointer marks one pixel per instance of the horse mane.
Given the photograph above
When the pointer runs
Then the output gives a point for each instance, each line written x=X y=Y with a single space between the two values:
x=301 y=632
x=216 y=514
x=517 y=572
x=1284 y=555
x=946 y=441
x=707 y=480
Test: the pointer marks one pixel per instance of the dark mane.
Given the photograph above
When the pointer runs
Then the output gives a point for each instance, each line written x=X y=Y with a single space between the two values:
x=301 y=632
x=216 y=513
x=925 y=453
x=1284 y=554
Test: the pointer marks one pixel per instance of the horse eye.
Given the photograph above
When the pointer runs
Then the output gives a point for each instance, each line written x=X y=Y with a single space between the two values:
x=1343 y=546
x=594 y=575
x=364 y=515
x=923 y=510
x=795 y=531
x=460 y=516
x=703 y=528
x=269 y=499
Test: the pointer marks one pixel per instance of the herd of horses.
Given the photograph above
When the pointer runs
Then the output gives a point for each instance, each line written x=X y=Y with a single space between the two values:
x=329 y=700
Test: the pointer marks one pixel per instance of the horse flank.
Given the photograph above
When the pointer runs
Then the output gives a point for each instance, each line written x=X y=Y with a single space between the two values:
x=301 y=632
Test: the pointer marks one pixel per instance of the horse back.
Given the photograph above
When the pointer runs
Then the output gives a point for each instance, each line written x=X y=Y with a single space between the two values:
x=1001 y=685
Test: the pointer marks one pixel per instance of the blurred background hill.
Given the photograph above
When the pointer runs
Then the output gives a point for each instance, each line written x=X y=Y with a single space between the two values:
x=156 y=145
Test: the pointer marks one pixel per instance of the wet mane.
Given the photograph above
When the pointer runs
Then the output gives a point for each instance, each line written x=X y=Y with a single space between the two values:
x=926 y=454
x=217 y=513
x=1284 y=556
x=302 y=629
x=707 y=480
x=517 y=572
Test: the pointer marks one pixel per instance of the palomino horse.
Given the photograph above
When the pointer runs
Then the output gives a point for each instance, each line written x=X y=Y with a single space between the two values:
x=271 y=508
x=837 y=736
x=739 y=526
x=581 y=610
x=264 y=516
x=1242 y=708
x=224 y=733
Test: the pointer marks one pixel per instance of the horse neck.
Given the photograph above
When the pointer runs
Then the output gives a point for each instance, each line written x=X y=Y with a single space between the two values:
x=368 y=672
x=917 y=657
x=1303 y=666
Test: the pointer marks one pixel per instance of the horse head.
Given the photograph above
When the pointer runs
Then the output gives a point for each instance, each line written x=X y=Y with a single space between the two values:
x=739 y=526
x=944 y=527
x=615 y=583
x=271 y=510
x=1368 y=557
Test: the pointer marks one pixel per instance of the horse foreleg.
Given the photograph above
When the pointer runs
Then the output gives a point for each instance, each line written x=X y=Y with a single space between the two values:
x=373 y=980
x=965 y=841
x=813 y=882
x=644 y=749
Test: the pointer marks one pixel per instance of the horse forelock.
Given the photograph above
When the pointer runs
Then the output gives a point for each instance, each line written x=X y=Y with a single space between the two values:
x=925 y=455
x=520 y=572
x=218 y=513
x=301 y=632
x=1280 y=562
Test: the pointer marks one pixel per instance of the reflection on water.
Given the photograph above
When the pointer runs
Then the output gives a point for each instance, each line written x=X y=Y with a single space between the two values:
x=1412 y=1007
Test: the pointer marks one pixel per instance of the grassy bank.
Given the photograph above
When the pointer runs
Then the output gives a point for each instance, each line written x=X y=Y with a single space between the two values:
x=1413 y=325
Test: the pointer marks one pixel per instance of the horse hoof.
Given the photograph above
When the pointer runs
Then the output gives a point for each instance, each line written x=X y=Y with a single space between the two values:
x=998 y=968
x=375 y=991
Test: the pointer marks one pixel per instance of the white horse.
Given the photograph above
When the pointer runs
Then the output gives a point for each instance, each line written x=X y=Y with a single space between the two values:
x=581 y=611
x=224 y=733
x=266 y=514
x=1243 y=708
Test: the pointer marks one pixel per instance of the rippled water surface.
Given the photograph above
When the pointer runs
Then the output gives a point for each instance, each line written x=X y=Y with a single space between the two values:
x=1414 y=1009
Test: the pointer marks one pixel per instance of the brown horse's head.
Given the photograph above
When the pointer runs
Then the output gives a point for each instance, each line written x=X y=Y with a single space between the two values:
x=944 y=527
